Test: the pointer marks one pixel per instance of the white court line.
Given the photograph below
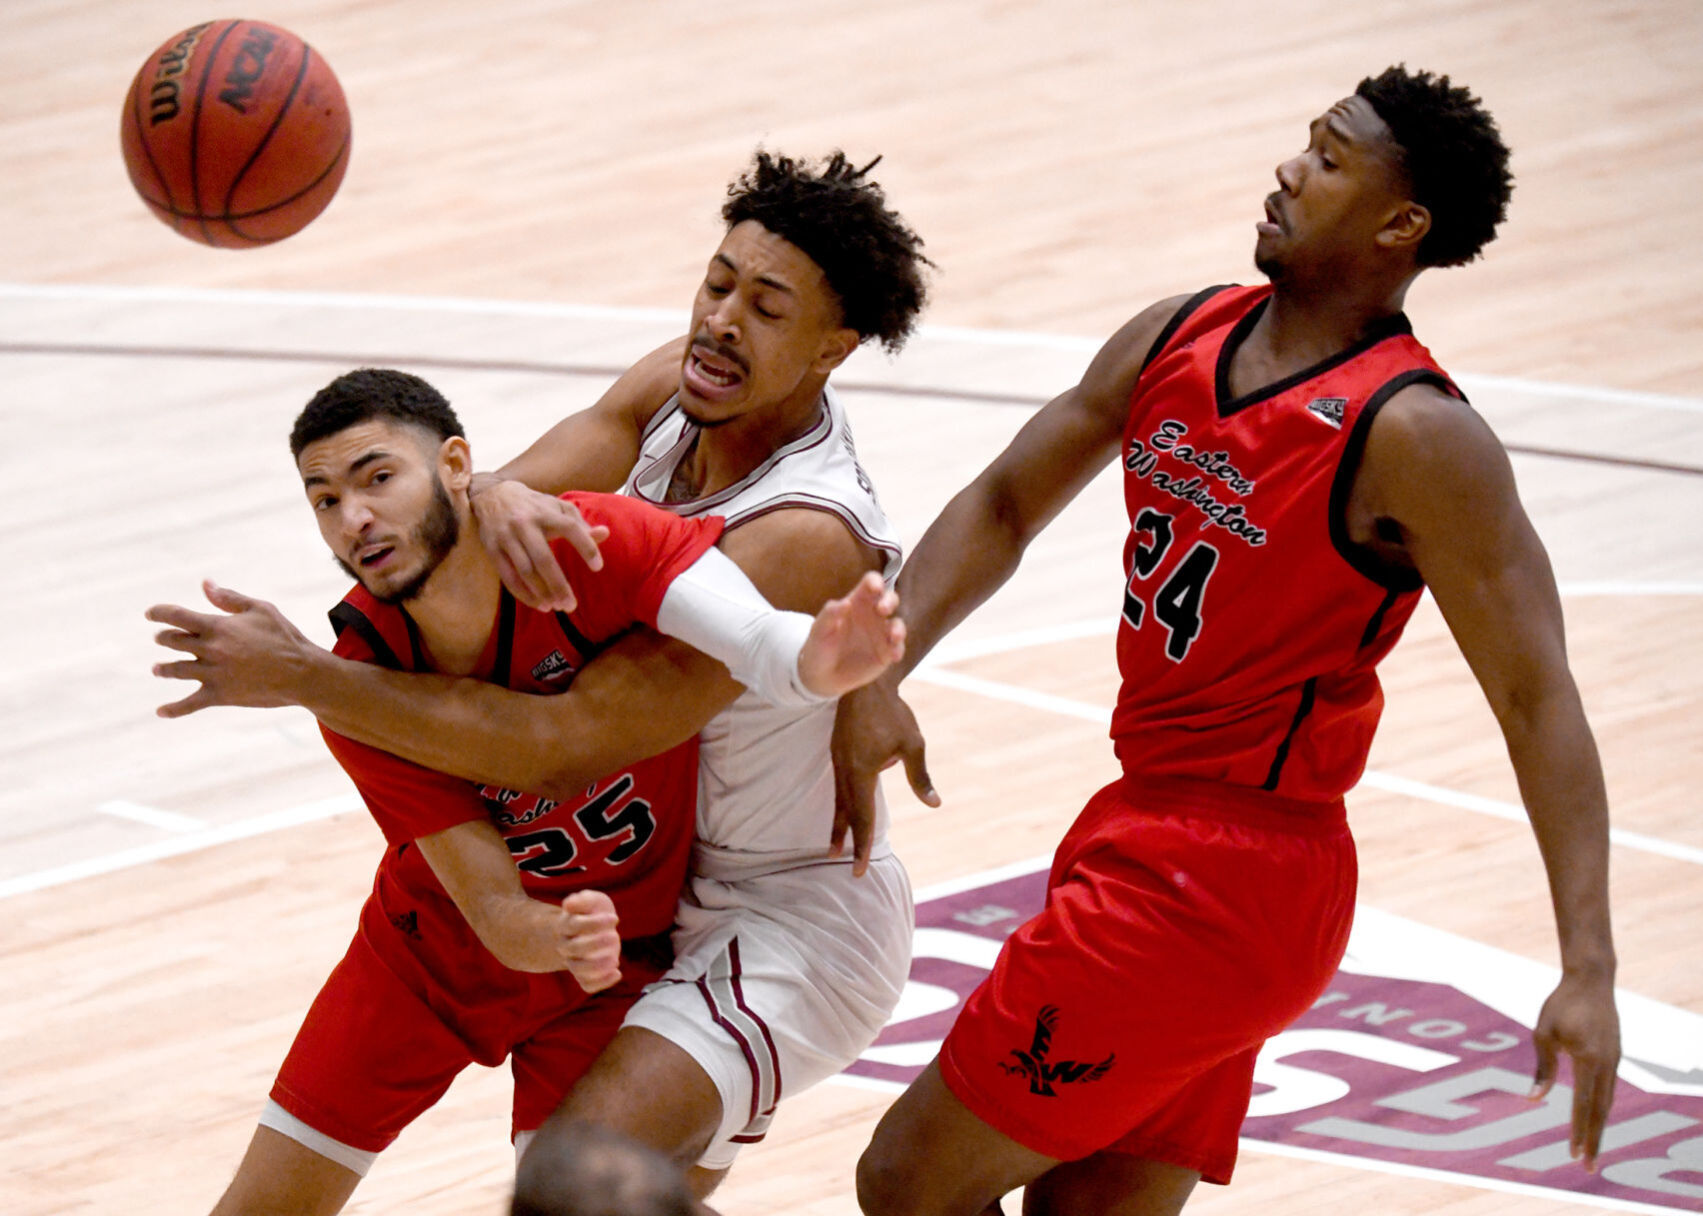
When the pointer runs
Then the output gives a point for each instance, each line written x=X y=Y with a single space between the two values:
x=1101 y=715
x=1477 y=1181
x=1475 y=382
x=955 y=650
x=356 y=302
x=171 y=821
x=347 y=302
x=192 y=842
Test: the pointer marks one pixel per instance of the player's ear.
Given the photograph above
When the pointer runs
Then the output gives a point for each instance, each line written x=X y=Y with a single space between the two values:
x=1405 y=227
x=455 y=463
x=837 y=346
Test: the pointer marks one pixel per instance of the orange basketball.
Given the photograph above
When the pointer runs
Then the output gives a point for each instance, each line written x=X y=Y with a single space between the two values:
x=235 y=133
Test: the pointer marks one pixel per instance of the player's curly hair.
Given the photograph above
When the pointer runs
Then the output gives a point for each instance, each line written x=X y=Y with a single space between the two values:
x=839 y=217
x=1454 y=157
x=368 y=393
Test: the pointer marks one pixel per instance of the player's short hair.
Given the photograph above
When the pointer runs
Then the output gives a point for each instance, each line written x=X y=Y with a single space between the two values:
x=373 y=392
x=581 y=1169
x=840 y=219
x=1454 y=157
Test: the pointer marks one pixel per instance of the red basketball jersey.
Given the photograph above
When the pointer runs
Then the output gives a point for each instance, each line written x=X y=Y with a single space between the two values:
x=628 y=834
x=1251 y=623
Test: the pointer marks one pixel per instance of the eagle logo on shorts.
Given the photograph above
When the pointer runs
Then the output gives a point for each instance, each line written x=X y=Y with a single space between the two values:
x=1042 y=1075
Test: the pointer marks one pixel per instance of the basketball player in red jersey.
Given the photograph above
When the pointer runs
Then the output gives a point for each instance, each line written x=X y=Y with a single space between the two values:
x=1296 y=469
x=788 y=961
x=501 y=923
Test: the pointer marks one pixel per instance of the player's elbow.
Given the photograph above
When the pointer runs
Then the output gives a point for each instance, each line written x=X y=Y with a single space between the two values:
x=1530 y=708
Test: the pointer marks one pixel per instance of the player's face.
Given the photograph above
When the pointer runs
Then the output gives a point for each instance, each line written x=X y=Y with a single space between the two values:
x=376 y=491
x=1334 y=198
x=766 y=329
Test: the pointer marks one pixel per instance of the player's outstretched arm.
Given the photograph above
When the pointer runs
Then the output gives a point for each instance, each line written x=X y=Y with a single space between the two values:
x=579 y=936
x=641 y=696
x=973 y=548
x=786 y=658
x=1434 y=468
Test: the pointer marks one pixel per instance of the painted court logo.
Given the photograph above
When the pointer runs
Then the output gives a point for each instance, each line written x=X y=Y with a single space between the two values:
x=1416 y=1060
x=1041 y=1073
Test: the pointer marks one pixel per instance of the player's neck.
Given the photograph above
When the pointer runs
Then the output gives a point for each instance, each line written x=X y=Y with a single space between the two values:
x=727 y=454
x=1301 y=328
x=454 y=611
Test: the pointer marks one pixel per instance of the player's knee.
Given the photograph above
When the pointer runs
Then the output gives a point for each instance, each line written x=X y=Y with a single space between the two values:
x=885 y=1183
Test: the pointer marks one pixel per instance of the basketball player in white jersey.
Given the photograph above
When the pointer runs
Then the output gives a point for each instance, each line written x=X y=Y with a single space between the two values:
x=789 y=957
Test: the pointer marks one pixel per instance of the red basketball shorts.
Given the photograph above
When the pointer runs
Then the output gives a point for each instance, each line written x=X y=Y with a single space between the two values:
x=1185 y=924
x=417 y=999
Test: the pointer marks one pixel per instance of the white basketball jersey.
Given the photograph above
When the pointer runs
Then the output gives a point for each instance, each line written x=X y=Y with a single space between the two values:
x=766 y=784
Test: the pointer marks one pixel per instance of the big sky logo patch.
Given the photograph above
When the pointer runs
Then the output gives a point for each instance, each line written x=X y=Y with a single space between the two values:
x=1415 y=1060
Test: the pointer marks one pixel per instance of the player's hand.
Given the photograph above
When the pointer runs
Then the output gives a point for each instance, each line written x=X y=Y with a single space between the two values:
x=853 y=639
x=246 y=654
x=873 y=730
x=1579 y=1018
x=517 y=524
x=588 y=941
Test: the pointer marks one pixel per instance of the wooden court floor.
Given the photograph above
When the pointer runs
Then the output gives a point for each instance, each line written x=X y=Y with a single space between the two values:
x=532 y=195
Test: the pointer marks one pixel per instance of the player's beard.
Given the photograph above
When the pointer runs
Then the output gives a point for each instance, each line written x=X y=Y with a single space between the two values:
x=434 y=537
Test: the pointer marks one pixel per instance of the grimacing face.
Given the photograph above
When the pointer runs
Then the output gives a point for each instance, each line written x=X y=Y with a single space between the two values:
x=763 y=322
x=381 y=505
x=1334 y=197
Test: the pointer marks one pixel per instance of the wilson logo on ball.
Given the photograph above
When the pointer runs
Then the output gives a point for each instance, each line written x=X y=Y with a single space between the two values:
x=162 y=96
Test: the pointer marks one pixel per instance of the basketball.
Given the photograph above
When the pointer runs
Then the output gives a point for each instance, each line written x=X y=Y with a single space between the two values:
x=235 y=133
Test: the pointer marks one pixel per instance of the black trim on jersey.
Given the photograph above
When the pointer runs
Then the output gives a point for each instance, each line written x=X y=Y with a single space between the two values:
x=346 y=616
x=1189 y=308
x=1397 y=578
x=504 y=657
x=1384 y=327
x=1301 y=712
x=416 y=643
x=1377 y=621
x=581 y=643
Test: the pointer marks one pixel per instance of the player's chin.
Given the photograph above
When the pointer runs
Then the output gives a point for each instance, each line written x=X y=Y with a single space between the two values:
x=709 y=415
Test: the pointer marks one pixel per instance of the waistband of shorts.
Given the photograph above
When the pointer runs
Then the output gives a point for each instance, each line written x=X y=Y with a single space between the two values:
x=739 y=865
x=1226 y=803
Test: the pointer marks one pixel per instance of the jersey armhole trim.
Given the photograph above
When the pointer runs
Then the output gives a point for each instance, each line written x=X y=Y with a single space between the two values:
x=892 y=553
x=1188 y=309
x=504 y=658
x=1390 y=577
x=346 y=616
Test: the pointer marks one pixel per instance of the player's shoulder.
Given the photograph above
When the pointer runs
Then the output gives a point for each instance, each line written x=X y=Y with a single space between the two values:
x=1426 y=445
x=368 y=630
x=1424 y=419
x=768 y=546
x=647 y=385
x=1127 y=352
x=636 y=528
